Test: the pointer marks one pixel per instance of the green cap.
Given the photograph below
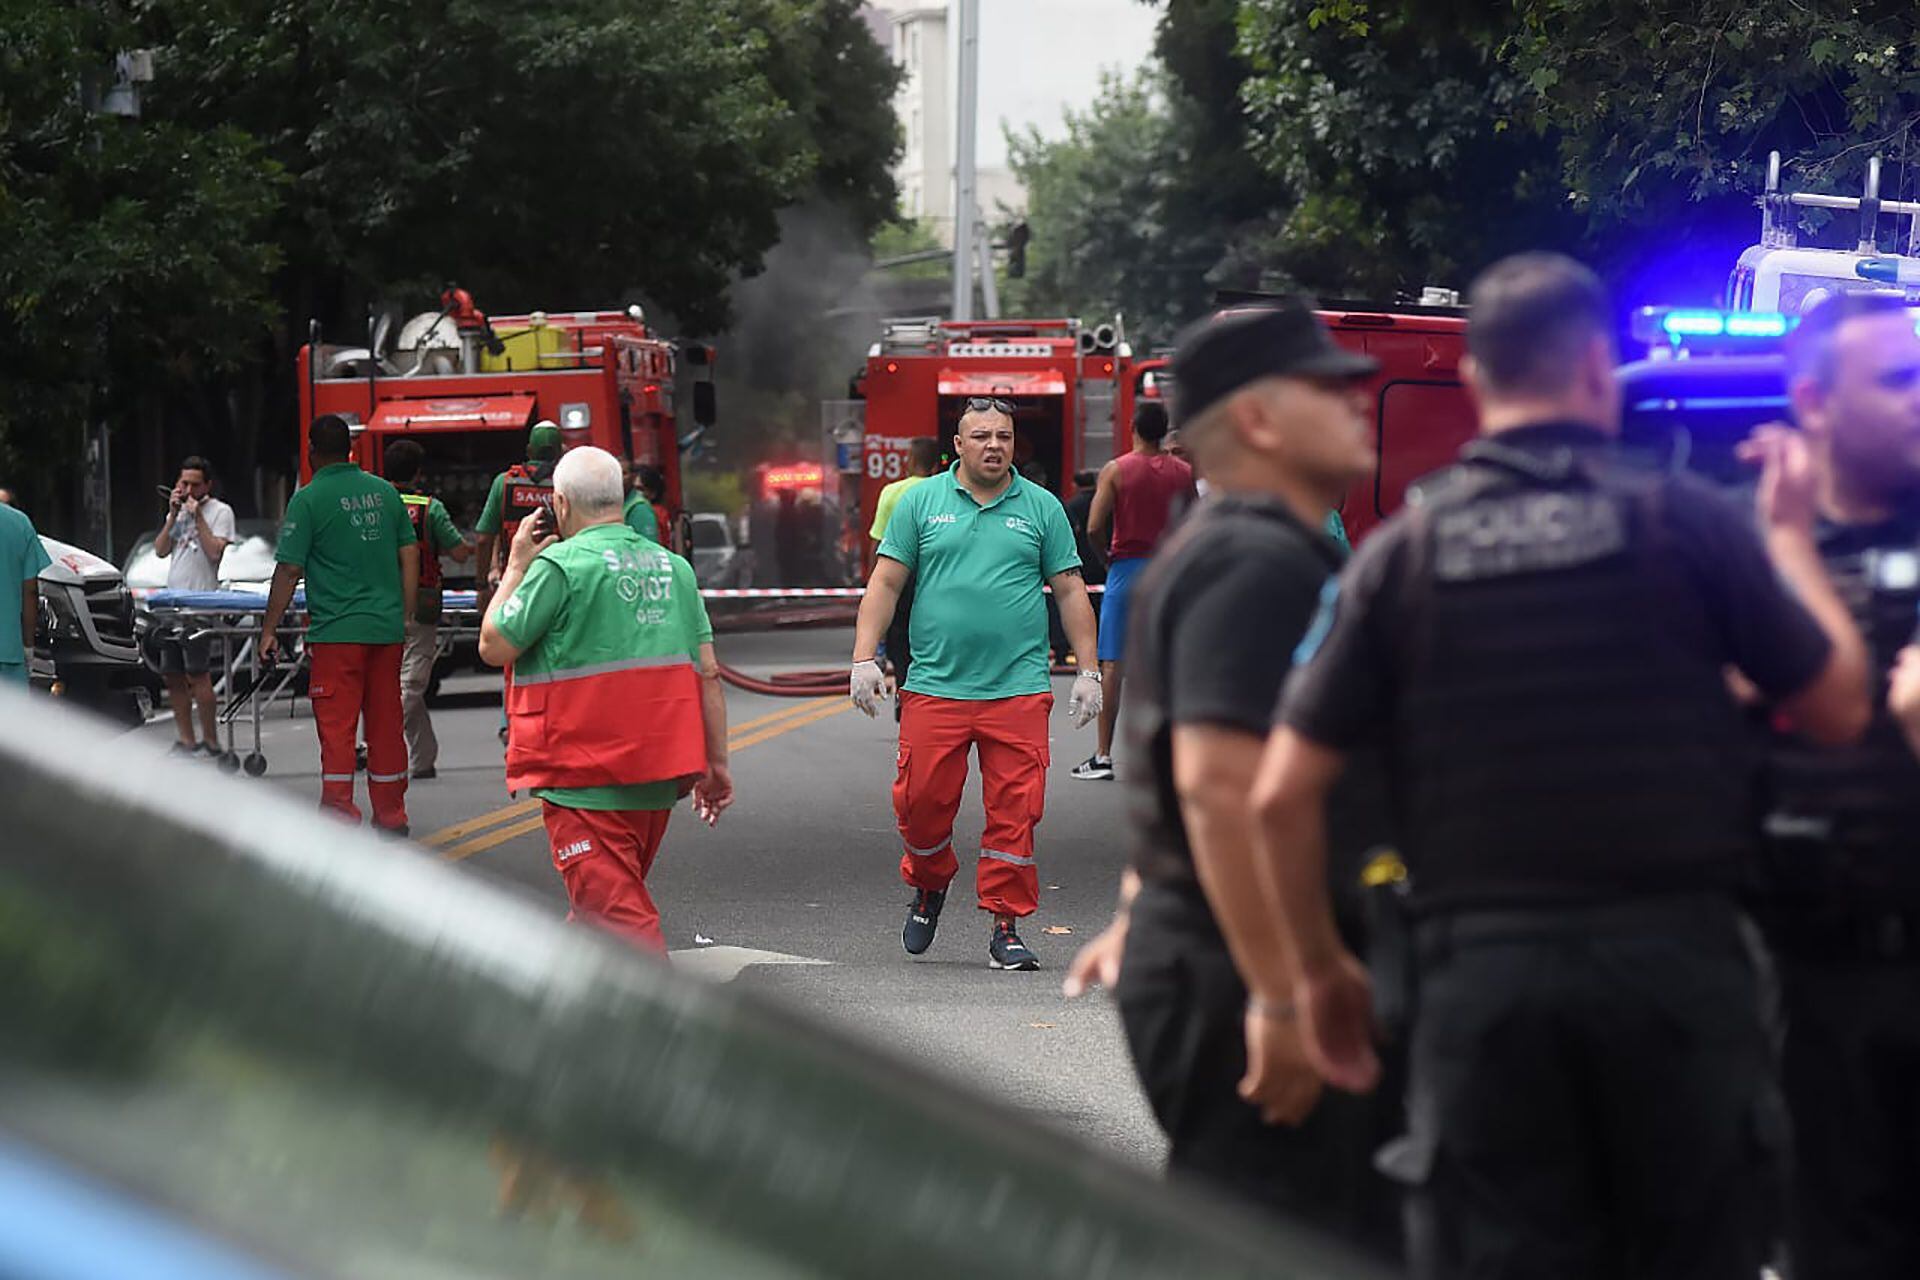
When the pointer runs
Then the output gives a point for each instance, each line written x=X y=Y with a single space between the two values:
x=543 y=442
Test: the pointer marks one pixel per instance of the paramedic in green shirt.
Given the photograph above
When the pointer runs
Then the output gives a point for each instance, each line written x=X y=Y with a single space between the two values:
x=614 y=695
x=543 y=450
x=979 y=542
x=637 y=512
x=348 y=534
x=22 y=557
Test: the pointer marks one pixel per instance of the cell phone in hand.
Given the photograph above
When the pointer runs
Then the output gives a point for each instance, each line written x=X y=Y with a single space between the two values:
x=543 y=526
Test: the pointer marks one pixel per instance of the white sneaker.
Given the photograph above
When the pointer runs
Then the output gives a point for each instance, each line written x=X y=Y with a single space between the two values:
x=1095 y=768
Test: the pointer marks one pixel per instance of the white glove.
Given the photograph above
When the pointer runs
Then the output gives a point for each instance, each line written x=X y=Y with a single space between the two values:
x=868 y=686
x=1084 y=703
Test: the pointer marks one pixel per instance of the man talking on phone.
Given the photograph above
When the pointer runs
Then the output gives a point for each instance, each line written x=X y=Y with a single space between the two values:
x=615 y=698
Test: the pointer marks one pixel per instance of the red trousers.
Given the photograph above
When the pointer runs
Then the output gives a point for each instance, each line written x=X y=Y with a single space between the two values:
x=350 y=683
x=604 y=855
x=1011 y=736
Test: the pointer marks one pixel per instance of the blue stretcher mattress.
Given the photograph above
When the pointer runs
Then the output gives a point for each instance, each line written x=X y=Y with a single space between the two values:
x=256 y=602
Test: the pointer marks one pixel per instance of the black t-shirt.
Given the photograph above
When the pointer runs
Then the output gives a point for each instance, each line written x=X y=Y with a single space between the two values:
x=1093 y=564
x=1215 y=619
x=1555 y=715
x=1845 y=821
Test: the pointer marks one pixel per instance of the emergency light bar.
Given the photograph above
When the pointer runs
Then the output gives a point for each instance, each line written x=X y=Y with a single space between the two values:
x=1689 y=327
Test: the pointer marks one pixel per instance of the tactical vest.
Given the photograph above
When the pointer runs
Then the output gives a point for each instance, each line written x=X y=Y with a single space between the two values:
x=526 y=487
x=1565 y=729
x=427 y=601
x=608 y=696
x=1843 y=823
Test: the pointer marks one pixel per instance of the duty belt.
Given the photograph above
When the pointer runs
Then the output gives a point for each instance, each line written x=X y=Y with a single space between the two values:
x=1688 y=915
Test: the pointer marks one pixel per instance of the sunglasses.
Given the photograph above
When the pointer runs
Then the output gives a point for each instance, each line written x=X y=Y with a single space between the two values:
x=985 y=404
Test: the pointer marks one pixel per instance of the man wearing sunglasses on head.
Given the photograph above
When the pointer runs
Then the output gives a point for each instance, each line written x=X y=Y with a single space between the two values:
x=979 y=542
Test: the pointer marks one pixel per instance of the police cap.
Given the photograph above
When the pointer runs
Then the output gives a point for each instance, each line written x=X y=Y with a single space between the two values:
x=1229 y=349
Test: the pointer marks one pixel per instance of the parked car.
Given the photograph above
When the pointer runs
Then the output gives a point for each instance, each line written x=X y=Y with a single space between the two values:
x=247 y=564
x=86 y=649
x=717 y=562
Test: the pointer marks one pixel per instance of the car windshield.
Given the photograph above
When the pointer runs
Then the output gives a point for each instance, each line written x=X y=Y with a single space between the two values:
x=709 y=534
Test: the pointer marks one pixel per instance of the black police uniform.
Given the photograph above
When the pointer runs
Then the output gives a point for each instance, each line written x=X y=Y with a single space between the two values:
x=1542 y=644
x=1841 y=905
x=1215 y=617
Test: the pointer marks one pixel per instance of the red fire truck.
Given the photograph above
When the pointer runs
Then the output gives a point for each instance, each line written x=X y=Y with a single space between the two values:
x=1074 y=389
x=468 y=387
x=1420 y=415
x=1068 y=383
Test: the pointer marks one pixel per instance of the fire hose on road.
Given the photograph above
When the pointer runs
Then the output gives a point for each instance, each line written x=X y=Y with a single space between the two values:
x=794 y=684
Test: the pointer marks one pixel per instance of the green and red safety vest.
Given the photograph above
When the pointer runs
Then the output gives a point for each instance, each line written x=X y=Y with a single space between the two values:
x=606 y=694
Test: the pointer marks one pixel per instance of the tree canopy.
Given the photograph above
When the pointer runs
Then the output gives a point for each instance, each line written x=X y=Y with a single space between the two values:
x=1365 y=148
x=297 y=160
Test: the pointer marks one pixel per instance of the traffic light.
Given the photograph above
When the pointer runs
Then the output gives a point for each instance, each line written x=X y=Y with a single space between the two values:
x=1017 y=237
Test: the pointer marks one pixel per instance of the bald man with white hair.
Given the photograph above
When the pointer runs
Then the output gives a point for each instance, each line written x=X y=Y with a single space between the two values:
x=613 y=692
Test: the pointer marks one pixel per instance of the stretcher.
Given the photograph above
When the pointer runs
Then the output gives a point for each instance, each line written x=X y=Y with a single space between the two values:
x=243 y=684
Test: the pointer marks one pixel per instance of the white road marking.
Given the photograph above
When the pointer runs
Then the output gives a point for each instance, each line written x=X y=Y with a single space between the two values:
x=723 y=964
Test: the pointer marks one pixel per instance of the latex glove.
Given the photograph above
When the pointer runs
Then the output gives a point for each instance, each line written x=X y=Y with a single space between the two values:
x=868 y=686
x=1084 y=703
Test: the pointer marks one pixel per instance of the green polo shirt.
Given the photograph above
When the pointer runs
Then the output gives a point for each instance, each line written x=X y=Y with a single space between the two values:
x=21 y=560
x=640 y=518
x=889 y=499
x=492 y=509
x=660 y=614
x=345 y=529
x=979 y=626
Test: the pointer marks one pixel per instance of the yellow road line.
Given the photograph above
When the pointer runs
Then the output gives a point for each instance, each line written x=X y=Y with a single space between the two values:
x=784 y=713
x=500 y=835
x=446 y=836
x=839 y=705
x=467 y=848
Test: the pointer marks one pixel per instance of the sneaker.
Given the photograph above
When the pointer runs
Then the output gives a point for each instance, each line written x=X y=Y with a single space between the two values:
x=1006 y=951
x=425 y=775
x=1095 y=768
x=208 y=750
x=184 y=751
x=923 y=917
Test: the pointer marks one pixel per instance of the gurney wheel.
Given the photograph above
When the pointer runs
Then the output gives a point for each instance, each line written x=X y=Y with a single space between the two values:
x=255 y=764
x=230 y=762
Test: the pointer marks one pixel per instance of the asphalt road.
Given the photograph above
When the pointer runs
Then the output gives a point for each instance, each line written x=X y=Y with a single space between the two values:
x=804 y=868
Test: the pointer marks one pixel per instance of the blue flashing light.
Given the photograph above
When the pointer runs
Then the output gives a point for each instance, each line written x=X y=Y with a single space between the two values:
x=1694 y=324
x=1756 y=325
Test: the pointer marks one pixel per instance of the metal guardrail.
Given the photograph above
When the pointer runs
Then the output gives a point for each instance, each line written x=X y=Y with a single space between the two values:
x=364 y=1062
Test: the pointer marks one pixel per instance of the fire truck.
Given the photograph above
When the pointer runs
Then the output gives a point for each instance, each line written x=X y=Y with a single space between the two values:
x=1071 y=387
x=468 y=387
x=1074 y=390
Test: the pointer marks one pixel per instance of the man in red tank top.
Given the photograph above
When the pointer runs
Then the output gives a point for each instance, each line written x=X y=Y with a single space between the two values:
x=1136 y=498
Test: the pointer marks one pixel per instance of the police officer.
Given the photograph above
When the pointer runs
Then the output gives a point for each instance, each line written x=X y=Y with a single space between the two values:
x=1841 y=876
x=1541 y=644
x=1277 y=415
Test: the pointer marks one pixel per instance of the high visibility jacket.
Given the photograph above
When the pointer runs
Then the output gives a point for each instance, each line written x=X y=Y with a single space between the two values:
x=608 y=696
x=525 y=488
x=427 y=600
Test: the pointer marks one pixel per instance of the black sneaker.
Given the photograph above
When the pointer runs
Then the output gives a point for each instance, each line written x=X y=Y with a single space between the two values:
x=427 y=774
x=1095 y=768
x=923 y=917
x=1006 y=951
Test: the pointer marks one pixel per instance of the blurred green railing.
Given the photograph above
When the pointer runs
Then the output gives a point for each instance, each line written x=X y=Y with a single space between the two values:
x=364 y=1062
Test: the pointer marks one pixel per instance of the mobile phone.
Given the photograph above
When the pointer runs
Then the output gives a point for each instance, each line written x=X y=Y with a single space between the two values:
x=165 y=491
x=543 y=525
